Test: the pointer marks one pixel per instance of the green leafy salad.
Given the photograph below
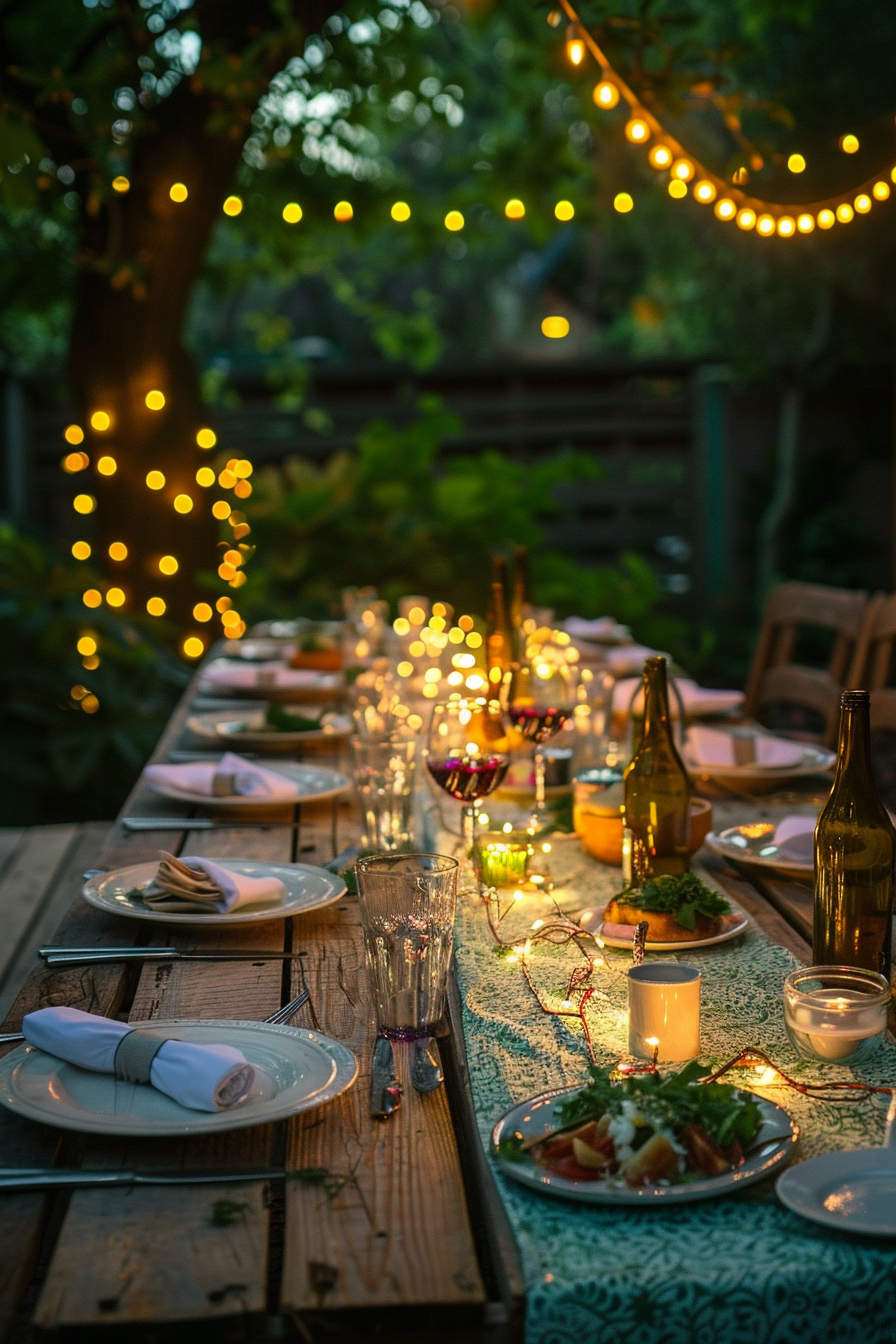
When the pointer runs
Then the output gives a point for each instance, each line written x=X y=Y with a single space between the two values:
x=285 y=721
x=645 y=1129
x=684 y=897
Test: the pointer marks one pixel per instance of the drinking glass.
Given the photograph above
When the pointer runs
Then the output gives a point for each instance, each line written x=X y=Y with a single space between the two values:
x=538 y=696
x=467 y=754
x=384 y=779
x=407 y=915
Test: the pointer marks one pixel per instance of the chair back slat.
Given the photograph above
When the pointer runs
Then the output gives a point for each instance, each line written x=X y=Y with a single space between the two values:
x=883 y=709
x=774 y=675
x=873 y=657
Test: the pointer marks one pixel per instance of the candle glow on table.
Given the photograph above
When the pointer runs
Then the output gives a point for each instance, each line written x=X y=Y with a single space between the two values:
x=503 y=860
x=835 y=1013
x=664 y=1011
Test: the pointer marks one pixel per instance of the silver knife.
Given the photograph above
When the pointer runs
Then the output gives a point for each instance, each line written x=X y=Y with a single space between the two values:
x=385 y=1089
x=86 y=956
x=43 y=1178
x=194 y=823
x=426 y=1070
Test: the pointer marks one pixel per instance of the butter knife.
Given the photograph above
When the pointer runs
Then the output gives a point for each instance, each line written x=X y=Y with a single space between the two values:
x=426 y=1070
x=49 y=1178
x=385 y=1089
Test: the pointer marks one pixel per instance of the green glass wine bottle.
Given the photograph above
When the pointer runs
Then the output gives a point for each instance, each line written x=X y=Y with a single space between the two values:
x=657 y=791
x=855 y=852
x=499 y=640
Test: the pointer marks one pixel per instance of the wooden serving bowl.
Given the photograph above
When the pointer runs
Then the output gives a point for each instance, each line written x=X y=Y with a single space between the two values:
x=600 y=829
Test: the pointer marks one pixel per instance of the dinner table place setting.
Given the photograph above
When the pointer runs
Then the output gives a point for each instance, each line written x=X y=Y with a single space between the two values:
x=238 y=782
x=267 y=679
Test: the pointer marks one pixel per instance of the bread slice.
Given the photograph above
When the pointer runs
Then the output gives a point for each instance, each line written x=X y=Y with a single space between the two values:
x=662 y=928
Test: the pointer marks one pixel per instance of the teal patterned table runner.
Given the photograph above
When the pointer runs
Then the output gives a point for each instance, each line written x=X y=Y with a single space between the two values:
x=737 y=1270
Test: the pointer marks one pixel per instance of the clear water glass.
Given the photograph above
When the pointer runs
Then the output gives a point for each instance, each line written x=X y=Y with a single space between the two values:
x=384 y=780
x=407 y=914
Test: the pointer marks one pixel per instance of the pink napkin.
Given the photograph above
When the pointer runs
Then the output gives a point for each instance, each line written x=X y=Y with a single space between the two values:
x=795 y=838
x=236 y=777
x=628 y=658
x=274 y=676
x=711 y=746
x=600 y=629
x=697 y=699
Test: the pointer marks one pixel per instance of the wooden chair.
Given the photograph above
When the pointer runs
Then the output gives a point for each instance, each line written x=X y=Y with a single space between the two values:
x=775 y=678
x=872 y=661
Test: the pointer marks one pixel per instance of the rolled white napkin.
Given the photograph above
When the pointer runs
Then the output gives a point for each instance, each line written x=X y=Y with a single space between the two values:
x=268 y=676
x=200 y=1077
x=236 y=777
x=795 y=838
x=602 y=628
x=195 y=883
x=628 y=658
x=712 y=746
x=697 y=699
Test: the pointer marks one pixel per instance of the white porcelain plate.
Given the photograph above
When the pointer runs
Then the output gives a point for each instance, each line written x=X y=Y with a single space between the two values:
x=249 y=731
x=773 y=1147
x=754 y=845
x=312 y=782
x=853 y=1191
x=592 y=921
x=307 y=889
x=296 y=1070
x=815 y=760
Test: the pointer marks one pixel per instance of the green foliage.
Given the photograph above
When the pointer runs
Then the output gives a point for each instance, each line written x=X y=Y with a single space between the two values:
x=397 y=515
x=58 y=760
x=684 y=896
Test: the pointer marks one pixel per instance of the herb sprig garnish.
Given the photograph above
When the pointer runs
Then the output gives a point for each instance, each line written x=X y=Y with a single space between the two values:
x=685 y=897
x=285 y=721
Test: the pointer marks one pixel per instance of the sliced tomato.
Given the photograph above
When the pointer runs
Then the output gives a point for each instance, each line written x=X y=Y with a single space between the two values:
x=571 y=1170
x=560 y=1145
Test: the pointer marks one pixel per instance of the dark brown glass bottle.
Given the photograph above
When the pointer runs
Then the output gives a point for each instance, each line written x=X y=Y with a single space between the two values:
x=499 y=642
x=855 y=851
x=657 y=791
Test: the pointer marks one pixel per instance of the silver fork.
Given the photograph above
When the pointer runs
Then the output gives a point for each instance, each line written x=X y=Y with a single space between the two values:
x=280 y=1018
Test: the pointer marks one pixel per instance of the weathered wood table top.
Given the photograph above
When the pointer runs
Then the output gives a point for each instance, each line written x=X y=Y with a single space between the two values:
x=414 y=1241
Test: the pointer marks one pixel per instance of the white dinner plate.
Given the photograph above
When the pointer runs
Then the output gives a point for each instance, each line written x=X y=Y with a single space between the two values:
x=773 y=1147
x=815 y=760
x=853 y=1191
x=313 y=782
x=592 y=921
x=249 y=732
x=307 y=889
x=296 y=1070
x=754 y=845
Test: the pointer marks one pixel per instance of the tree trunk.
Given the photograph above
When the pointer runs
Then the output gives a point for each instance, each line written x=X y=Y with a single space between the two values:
x=144 y=254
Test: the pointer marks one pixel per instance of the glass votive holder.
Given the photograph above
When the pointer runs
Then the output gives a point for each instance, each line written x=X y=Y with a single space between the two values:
x=836 y=1013
x=503 y=859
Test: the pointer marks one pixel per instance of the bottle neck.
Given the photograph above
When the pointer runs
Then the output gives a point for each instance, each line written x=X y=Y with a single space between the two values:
x=854 y=747
x=656 y=703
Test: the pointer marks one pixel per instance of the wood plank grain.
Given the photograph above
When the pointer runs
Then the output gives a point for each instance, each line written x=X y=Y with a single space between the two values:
x=770 y=920
x=153 y=1254
x=26 y=881
x=398 y=1231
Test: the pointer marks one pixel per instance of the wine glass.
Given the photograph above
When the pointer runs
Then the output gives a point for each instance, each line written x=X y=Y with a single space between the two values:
x=467 y=754
x=538 y=696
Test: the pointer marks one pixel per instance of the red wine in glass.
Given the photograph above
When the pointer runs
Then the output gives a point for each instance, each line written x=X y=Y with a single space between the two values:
x=468 y=780
x=536 y=723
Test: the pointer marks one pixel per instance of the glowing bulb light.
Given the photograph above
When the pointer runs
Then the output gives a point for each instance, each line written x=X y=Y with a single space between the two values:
x=206 y=438
x=683 y=169
x=84 y=503
x=232 y=206
x=155 y=400
x=73 y=434
x=100 y=420
x=765 y=225
x=292 y=212
x=605 y=94
x=555 y=328
x=514 y=209
x=155 y=480
x=881 y=191
x=575 y=50
x=826 y=219
x=107 y=466
x=844 y=213
x=786 y=226
x=400 y=212
x=564 y=210
x=178 y=192
x=454 y=221
x=660 y=156
x=746 y=218
x=343 y=212
x=183 y=504
x=623 y=203
x=118 y=551
x=156 y=606
x=862 y=204
x=725 y=208
x=796 y=163
x=849 y=144
x=805 y=223
x=705 y=193
x=637 y=131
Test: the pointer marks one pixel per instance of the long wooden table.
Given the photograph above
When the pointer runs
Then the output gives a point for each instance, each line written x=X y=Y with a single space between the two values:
x=414 y=1241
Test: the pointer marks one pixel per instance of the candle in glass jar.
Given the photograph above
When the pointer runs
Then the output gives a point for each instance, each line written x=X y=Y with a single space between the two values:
x=835 y=1013
x=503 y=862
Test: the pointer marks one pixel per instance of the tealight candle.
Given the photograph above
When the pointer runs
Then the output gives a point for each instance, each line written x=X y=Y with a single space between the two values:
x=835 y=1013
x=664 y=1011
x=503 y=860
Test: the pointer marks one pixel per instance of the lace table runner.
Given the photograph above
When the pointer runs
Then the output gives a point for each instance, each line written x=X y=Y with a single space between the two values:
x=740 y=1269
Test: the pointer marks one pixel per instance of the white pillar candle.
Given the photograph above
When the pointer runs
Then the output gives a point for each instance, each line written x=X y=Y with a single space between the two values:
x=664 y=1011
